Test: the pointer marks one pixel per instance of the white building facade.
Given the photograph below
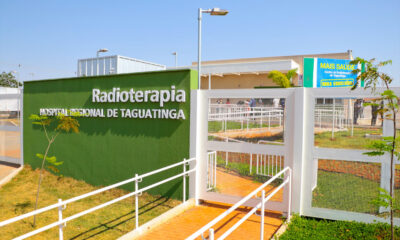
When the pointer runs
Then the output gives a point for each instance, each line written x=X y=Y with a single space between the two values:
x=115 y=64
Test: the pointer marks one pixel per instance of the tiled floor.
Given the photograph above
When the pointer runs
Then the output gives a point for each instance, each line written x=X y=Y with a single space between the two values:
x=193 y=219
x=230 y=183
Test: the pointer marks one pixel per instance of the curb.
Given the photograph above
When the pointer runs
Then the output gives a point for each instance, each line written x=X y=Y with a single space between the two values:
x=281 y=230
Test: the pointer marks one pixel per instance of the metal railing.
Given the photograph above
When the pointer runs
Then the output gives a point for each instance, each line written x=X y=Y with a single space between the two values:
x=61 y=205
x=248 y=114
x=270 y=118
x=264 y=199
x=269 y=164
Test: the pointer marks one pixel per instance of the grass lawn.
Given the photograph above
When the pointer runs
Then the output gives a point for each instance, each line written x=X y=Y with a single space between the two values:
x=309 y=229
x=18 y=197
x=343 y=139
x=347 y=192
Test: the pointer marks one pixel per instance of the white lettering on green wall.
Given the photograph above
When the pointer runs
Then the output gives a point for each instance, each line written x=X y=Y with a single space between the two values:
x=116 y=95
x=115 y=113
x=139 y=96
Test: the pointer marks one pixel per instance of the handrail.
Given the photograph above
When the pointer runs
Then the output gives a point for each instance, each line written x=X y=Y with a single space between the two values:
x=240 y=203
x=60 y=204
x=246 y=112
x=266 y=141
x=252 y=211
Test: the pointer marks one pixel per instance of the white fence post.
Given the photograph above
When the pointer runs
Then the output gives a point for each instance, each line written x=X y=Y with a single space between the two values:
x=184 y=181
x=269 y=121
x=290 y=195
x=137 y=201
x=251 y=162
x=21 y=125
x=215 y=168
x=60 y=218
x=258 y=159
x=262 y=215
x=211 y=234
x=225 y=126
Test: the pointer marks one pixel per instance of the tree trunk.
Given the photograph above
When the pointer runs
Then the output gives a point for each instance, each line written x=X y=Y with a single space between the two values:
x=40 y=180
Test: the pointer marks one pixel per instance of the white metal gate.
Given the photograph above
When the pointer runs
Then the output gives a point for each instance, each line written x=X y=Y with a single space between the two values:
x=311 y=147
x=348 y=164
x=266 y=158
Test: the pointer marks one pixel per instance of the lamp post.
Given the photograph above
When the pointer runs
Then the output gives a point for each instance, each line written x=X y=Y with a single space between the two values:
x=97 y=58
x=212 y=12
x=176 y=58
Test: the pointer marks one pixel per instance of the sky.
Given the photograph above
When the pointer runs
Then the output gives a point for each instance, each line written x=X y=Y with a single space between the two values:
x=44 y=38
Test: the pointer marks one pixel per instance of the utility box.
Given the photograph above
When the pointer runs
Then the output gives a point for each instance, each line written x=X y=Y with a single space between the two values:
x=114 y=65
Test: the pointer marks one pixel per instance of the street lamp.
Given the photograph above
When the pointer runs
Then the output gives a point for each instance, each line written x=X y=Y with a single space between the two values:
x=176 y=58
x=212 y=12
x=101 y=50
x=97 y=59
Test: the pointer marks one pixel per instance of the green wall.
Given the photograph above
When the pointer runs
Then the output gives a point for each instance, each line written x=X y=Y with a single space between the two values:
x=109 y=150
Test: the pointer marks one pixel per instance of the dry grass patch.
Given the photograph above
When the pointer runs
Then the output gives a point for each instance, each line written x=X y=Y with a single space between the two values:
x=18 y=197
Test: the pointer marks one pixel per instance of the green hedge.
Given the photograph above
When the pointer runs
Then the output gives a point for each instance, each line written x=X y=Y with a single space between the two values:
x=301 y=228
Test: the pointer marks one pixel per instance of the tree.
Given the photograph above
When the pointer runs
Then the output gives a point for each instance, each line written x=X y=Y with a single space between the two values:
x=372 y=76
x=281 y=79
x=9 y=80
x=52 y=127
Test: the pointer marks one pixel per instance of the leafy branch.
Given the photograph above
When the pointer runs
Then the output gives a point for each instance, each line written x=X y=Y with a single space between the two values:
x=58 y=124
x=372 y=77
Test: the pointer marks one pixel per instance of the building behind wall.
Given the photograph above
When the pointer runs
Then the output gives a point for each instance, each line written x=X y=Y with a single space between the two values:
x=114 y=65
x=253 y=72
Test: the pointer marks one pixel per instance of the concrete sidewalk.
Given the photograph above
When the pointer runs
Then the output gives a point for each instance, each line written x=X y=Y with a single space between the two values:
x=8 y=171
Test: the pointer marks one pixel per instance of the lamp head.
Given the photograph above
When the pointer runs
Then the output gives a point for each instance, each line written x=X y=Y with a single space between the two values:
x=218 y=12
x=103 y=50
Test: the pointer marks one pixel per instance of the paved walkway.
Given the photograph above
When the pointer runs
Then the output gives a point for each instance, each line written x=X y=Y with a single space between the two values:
x=251 y=132
x=193 y=219
x=233 y=184
x=6 y=169
x=9 y=144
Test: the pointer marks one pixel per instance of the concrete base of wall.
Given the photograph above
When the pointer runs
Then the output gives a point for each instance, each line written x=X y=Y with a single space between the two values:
x=135 y=234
